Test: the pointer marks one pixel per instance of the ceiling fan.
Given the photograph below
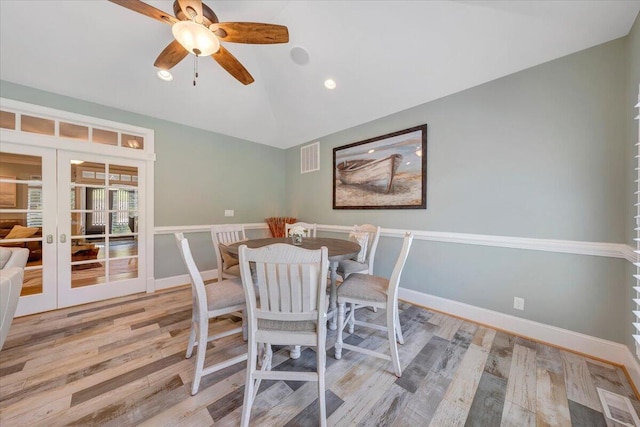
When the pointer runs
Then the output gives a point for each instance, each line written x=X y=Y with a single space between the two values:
x=196 y=30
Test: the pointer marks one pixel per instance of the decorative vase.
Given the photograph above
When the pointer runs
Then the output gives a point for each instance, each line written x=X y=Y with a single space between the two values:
x=296 y=239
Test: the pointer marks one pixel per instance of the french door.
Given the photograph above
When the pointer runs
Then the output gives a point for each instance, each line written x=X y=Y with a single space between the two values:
x=83 y=212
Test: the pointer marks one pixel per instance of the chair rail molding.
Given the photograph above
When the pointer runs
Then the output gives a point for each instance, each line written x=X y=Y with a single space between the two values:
x=170 y=229
x=613 y=250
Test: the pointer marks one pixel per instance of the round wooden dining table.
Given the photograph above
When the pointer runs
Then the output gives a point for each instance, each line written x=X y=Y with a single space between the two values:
x=338 y=250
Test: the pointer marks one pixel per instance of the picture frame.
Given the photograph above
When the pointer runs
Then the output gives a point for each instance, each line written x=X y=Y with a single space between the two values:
x=8 y=192
x=385 y=172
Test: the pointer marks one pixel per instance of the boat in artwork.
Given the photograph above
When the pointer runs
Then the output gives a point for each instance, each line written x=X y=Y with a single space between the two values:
x=376 y=174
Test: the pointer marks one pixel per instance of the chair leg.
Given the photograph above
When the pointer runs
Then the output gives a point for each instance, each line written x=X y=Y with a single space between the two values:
x=245 y=328
x=321 y=361
x=192 y=339
x=393 y=345
x=294 y=353
x=249 y=386
x=338 y=344
x=268 y=356
x=399 y=337
x=203 y=333
x=352 y=317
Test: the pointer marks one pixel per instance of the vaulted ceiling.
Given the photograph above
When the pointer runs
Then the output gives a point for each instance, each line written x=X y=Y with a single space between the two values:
x=385 y=56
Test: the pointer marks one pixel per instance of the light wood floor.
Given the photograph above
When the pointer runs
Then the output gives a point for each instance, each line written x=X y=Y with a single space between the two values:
x=121 y=362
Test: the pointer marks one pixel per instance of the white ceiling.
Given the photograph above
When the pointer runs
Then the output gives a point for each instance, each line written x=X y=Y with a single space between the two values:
x=386 y=56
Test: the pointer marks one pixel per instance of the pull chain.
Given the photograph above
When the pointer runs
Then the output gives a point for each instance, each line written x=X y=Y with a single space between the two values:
x=195 y=69
x=197 y=53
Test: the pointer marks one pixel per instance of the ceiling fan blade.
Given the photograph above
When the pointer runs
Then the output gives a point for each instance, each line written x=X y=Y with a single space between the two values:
x=232 y=65
x=145 y=9
x=250 y=32
x=192 y=8
x=170 y=56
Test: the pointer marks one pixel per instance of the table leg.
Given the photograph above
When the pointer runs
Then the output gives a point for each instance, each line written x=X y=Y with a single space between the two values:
x=333 y=296
x=294 y=353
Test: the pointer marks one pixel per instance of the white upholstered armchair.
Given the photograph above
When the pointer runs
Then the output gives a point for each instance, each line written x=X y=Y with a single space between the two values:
x=12 y=263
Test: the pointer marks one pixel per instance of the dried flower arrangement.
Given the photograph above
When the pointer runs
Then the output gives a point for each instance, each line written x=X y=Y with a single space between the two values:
x=276 y=225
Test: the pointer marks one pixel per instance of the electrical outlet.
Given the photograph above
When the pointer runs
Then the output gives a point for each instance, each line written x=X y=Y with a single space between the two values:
x=228 y=212
x=518 y=303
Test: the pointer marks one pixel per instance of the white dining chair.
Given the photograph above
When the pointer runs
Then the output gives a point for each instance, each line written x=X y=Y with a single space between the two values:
x=209 y=301
x=291 y=284
x=367 y=236
x=224 y=234
x=360 y=290
x=312 y=229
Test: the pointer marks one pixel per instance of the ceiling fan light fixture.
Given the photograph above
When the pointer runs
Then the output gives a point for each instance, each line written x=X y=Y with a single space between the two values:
x=195 y=38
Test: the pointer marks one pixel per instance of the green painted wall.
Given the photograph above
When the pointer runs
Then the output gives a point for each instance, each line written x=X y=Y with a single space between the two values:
x=541 y=153
x=198 y=174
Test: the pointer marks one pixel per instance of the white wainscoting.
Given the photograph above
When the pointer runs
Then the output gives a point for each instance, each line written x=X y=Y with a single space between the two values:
x=586 y=344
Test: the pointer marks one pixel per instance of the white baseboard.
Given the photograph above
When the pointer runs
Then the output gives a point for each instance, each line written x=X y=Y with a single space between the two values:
x=581 y=343
x=633 y=367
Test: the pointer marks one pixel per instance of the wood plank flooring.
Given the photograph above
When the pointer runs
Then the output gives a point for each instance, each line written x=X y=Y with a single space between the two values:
x=121 y=363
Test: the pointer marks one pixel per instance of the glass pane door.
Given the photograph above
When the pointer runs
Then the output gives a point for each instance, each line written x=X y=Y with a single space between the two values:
x=99 y=241
x=28 y=220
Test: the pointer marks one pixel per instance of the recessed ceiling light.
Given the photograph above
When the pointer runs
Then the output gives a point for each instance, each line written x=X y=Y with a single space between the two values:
x=330 y=84
x=165 y=75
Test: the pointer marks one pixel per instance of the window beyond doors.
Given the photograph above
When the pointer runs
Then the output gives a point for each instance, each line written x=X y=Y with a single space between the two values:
x=124 y=202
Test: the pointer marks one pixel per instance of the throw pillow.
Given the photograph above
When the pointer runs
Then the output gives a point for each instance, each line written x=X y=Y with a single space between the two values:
x=20 y=232
x=227 y=259
x=361 y=238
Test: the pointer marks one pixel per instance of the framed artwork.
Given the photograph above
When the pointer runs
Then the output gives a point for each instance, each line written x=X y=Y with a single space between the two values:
x=385 y=172
x=7 y=193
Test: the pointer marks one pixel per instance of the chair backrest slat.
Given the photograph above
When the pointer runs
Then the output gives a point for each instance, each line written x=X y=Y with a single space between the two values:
x=297 y=295
x=284 y=287
x=273 y=288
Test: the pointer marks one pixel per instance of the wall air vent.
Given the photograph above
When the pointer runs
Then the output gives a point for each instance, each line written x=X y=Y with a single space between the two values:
x=618 y=408
x=310 y=158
